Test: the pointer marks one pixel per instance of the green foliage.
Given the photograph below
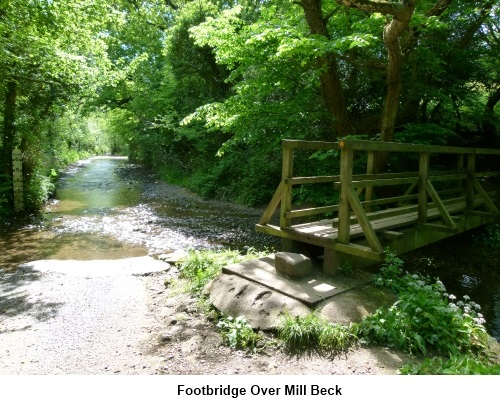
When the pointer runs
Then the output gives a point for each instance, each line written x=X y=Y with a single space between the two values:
x=391 y=272
x=489 y=238
x=239 y=334
x=455 y=365
x=38 y=189
x=201 y=266
x=5 y=189
x=427 y=134
x=425 y=316
x=300 y=333
x=311 y=332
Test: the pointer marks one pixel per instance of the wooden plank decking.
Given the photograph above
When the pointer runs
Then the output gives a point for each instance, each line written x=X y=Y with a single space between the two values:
x=363 y=227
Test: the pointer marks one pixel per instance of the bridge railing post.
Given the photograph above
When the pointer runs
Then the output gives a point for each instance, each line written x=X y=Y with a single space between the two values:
x=370 y=169
x=422 y=186
x=286 y=191
x=469 y=191
x=346 y=163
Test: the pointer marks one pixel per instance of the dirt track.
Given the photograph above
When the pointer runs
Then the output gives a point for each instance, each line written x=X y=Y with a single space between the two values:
x=117 y=317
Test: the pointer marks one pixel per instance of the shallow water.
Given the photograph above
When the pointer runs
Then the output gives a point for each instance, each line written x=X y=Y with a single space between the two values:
x=466 y=270
x=108 y=208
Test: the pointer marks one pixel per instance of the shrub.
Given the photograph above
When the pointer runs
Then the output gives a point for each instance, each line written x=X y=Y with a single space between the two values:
x=456 y=365
x=38 y=189
x=424 y=317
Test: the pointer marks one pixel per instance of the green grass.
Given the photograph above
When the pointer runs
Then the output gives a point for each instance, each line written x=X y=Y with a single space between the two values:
x=312 y=332
x=199 y=267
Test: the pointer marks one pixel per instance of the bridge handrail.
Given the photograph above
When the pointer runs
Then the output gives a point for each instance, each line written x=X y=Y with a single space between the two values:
x=352 y=185
x=378 y=146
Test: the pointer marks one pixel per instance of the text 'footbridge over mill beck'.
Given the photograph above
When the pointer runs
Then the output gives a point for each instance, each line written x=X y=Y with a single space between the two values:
x=451 y=190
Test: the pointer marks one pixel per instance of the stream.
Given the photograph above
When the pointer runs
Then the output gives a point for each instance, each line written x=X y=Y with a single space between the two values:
x=108 y=208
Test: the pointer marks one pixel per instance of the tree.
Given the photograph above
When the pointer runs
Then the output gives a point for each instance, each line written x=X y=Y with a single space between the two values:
x=50 y=52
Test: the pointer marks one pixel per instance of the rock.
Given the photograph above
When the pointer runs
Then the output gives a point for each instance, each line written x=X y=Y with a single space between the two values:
x=354 y=305
x=294 y=265
x=170 y=320
x=165 y=338
x=261 y=306
x=192 y=345
x=166 y=312
x=173 y=257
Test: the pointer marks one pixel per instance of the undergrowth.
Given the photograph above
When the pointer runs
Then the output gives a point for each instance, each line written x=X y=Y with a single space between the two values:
x=425 y=319
x=239 y=334
x=455 y=365
x=199 y=267
x=312 y=332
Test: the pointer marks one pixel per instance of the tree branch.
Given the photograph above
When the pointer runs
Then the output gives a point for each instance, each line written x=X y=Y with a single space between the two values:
x=377 y=6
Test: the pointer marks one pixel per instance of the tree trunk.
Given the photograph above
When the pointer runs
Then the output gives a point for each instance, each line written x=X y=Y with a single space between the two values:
x=490 y=122
x=401 y=13
x=331 y=86
x=392 y=32
x=9 y=131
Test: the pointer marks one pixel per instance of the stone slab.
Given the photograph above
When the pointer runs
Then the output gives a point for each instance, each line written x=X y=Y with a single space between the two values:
x=294 y=265
x=134 y=266
x=310 y=290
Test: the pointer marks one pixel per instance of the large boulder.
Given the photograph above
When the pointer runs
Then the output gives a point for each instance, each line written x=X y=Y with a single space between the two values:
x=261 y=306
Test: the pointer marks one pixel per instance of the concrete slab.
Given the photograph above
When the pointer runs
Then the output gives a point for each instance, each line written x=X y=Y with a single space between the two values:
x=134 y=266
x=309 y=290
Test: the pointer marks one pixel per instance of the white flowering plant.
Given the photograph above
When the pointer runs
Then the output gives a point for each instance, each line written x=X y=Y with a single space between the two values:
x=424 y=317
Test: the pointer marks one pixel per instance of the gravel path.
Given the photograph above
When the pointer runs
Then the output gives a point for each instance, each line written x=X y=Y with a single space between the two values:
x=76 y=317
x=116 y=317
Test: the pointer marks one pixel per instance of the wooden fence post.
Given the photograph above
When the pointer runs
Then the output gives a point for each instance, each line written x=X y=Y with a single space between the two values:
x=370 y=169
x=469 y=192
x=346 y=162
x=17 y=170
x=286 y=190
x=422 y=186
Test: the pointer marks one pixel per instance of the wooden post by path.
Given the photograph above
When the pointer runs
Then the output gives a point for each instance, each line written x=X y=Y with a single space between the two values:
x=17 y=169
x=346 y=162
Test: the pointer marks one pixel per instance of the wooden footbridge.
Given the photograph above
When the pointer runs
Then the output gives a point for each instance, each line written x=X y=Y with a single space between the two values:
x=422 y=206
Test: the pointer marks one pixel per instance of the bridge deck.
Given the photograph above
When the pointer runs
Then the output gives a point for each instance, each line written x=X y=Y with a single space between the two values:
x=325 y=232
x=365 y=228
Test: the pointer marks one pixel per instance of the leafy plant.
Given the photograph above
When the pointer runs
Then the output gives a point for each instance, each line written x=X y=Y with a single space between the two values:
x=202 y=266
x=239 y=334
x=455 y=365
x=424 y=317
x=311 y=332
x=489 y=238
x=38 y=189
x=391 y=272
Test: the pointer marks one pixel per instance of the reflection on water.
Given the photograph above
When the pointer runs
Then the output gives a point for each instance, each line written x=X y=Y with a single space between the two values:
x=96 y=188
x=109 y=208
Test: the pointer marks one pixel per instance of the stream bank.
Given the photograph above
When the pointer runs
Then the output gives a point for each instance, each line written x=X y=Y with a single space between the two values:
x=110 y=209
